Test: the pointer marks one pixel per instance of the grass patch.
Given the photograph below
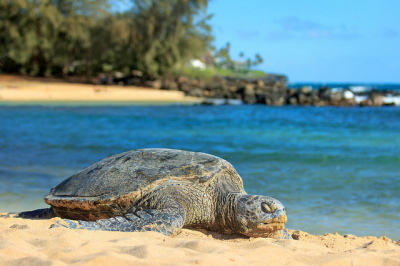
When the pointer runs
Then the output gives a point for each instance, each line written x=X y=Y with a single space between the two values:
x=208 y=73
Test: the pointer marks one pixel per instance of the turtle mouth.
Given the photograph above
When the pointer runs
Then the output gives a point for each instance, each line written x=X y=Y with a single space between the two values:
x=264 y=229
x=273 y=224
x=270 y=227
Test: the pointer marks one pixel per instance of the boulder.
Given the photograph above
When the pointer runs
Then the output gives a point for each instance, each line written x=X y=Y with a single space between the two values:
x=249 y=96
x=374 y=99
x=324 y=93
x=169 y=84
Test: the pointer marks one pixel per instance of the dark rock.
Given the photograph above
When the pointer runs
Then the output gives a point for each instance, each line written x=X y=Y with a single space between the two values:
x=324 y=93
x=303 y=98
x=293 y=100
x=270 y=90
x=195 y=92
x=249 y=96
x=169 y=84
x=337 y=97
x=314 y=97
x=155 y=84
x=374 y=99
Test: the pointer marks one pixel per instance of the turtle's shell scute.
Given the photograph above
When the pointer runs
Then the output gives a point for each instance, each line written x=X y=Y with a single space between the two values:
x=135 y=172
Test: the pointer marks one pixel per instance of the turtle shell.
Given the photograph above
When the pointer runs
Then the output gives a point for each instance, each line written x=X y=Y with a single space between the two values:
x=121 y=180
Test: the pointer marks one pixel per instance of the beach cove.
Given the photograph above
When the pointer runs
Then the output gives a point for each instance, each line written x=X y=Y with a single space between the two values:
x=335 y=169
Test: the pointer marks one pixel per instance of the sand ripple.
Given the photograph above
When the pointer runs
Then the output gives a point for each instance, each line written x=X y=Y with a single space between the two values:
x=33 y=242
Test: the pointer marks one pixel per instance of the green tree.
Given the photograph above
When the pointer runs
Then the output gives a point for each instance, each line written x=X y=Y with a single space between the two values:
x=51 y=36
x=224 y=54
x=28 y=33
x=79 y=37
x=43 y=34
x=258 y=60
x=168 y=33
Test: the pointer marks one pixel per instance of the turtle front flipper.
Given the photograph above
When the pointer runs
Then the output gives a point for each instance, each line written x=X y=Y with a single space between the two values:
x=47 y=213
x=168 y=222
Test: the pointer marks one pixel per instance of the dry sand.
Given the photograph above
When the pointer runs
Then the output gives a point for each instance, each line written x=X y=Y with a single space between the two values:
x=23 y=89
x=33 y=242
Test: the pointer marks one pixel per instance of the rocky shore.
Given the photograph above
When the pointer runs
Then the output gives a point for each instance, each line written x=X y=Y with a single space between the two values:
x=273 y=90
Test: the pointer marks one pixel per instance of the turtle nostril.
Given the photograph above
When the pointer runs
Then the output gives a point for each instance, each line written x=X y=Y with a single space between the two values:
x=265 y=207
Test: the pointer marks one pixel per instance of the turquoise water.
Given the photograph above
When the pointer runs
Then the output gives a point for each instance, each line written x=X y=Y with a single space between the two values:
x=335 y=169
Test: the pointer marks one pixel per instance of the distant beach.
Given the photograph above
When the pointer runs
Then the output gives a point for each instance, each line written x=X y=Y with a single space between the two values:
x=25 y=89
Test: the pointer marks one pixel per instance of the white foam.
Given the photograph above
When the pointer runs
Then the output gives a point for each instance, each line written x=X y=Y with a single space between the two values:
x=348 y=95
x=359 y=99
x=338 y=89
x=358 y=89
x=390 y=99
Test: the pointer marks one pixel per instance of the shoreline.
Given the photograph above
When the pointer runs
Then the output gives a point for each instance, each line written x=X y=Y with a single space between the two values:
x=32 y=241
x=17 y=89
x=22 y=90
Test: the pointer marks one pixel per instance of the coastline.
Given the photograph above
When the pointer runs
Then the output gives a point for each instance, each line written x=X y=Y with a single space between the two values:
x=22 y=90
x=16 y=89
x=25 y=241
x=32 y=241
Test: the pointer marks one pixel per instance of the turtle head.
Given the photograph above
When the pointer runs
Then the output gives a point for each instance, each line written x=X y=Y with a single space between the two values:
x=259 y=216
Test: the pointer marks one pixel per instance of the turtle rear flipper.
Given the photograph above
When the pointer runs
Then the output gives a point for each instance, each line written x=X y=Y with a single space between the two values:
x=47 y=213
x=168 y=222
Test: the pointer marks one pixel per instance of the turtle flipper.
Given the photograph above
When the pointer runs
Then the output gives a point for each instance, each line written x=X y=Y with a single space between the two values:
x=166 y=221
x=47 y=213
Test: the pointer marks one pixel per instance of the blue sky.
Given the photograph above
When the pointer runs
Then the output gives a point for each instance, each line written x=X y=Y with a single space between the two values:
x=314 y=41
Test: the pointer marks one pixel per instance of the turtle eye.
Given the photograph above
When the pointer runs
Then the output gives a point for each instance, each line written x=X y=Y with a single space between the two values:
x=265 y=207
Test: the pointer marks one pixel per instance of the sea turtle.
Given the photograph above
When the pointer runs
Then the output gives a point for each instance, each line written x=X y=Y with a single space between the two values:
x=162 y=190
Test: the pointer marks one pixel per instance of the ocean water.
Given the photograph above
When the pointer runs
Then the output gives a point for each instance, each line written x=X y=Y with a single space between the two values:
x=335 y=169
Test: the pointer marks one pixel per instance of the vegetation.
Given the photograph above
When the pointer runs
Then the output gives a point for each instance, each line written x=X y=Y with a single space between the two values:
x=225 y=66
x=225 y=60
x=87 y=37
x=209 y=73
x=61 y=37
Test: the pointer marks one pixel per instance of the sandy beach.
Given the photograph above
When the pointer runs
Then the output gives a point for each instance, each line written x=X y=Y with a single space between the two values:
x=33 y=242
x=24 y=89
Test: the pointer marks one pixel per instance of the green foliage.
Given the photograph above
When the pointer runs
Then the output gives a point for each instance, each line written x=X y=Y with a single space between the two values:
x=224 y=60
x=168 y=33
x=55 y=36
x=84 y=37
x=209 y=73
x=203 y=74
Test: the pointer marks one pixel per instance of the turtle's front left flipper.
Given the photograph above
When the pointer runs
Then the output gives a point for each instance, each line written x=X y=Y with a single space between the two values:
x=47 y=213
x=165 y=221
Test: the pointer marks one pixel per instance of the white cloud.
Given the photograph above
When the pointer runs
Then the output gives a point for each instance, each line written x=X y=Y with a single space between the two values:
x=297 y=28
